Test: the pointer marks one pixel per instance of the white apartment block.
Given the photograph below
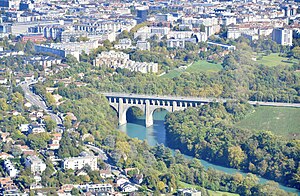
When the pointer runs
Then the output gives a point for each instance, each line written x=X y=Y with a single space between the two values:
x=37 y=166
x=106 y=25
x=116 y=60
x=76 y=163
x=10 y=168
x=160 y=30
x=123 y=44
x=201 y=36
x=180 y=34
x=143 y=45
x=179 y=43
x=63 y=49
x=283 y=36
x=96 y=188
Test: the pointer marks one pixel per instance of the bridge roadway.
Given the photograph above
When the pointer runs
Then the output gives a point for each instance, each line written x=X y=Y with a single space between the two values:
x=194 y=99
x=121 y=102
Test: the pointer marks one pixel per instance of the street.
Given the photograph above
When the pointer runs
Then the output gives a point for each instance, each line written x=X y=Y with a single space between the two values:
x=37 y=101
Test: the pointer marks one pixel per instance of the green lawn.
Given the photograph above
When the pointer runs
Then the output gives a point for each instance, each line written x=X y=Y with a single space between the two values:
x=280 y=120
x=196 y=67
x=210 y=192
x=204 y=66
x=273 y=60
x=172 y=74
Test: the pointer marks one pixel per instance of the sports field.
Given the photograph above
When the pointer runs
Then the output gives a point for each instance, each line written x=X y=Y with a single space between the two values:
x=280 y=120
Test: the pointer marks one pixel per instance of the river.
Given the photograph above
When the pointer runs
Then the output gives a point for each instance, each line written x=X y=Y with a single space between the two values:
x=156 y=134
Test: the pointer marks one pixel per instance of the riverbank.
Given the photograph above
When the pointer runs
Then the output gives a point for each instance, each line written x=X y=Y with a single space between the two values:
x=156 y=134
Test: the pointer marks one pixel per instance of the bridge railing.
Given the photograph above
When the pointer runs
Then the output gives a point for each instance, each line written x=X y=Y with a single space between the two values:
x=204 y=99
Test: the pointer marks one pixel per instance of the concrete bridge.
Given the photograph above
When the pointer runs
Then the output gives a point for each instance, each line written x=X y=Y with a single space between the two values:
x=149 y=103
x=121 y=102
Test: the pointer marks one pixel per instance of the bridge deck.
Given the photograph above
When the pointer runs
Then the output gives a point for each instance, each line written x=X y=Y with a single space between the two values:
x=164 y=97
x=193 y=99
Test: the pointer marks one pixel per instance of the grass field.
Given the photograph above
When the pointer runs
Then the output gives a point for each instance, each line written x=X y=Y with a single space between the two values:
x=196 y=67
x=172 y=74
x=273 y=60
x=210 y=192
x=280 y=120
x=204 y=66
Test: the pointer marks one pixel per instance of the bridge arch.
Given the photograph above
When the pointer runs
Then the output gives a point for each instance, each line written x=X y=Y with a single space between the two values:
x=114 y=107
x=123 y=112
x=150 y=112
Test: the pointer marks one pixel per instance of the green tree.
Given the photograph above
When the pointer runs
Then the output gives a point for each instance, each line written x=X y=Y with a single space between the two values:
x=3 y=105
x=50 y=123
x=38 y=140
x=236 y=156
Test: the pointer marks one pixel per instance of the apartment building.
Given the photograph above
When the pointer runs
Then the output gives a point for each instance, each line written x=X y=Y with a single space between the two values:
x=36 y=165
x=76 y=163
x=97 y=188
x=63 y=49
x=10 y=168
x=283 y=36
x=116 y=60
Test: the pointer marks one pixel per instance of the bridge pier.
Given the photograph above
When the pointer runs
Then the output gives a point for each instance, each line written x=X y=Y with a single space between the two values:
x=148 y=114
x=122 y=113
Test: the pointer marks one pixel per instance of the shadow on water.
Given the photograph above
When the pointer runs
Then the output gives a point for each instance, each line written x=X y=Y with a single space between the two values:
x=156 y=134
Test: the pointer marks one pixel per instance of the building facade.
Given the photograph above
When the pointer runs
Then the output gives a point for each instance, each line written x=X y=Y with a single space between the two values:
x=76 y=163
x=37 y=166
x=283 y=36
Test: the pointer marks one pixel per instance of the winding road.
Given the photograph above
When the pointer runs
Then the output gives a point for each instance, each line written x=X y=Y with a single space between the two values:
x=38 y=101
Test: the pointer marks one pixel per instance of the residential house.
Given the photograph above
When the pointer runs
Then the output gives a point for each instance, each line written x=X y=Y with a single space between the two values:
x=3 y=80
x=8 y=187
x=36 y=165
x=128 y=187
x=36 y=128
x=188 y=192
x=4 y=155
x=4 y=136
x=24 y=127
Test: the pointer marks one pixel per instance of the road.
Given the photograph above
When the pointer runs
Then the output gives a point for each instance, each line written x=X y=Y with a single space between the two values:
x=194 y=99
x=37 y=101
x=102 y=154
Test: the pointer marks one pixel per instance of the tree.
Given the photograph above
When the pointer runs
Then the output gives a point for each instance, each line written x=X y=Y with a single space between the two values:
x=29 y=47
x=296 y=52
x=50 y=123
x=68 y=147
x=236 y=156
x=50 y=99
x=107 y=44
x=38 y=140
x=161 y=186
x=75 y=191
x=3 y=105
x=67 y=122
